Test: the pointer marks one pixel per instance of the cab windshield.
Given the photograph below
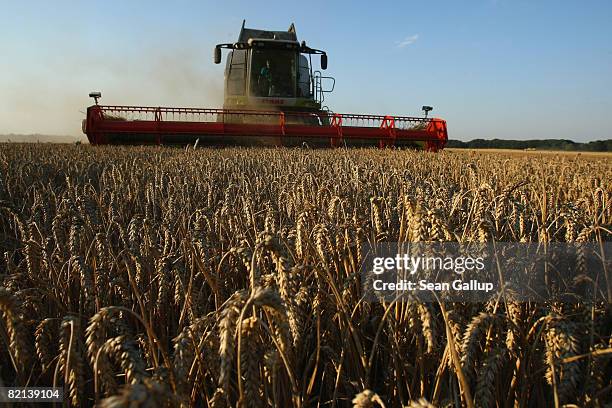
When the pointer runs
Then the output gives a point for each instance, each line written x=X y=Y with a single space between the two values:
x=273 y=73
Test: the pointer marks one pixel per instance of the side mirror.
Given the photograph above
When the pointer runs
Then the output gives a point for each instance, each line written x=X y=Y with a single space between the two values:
x=323 y=61
x=217 y=55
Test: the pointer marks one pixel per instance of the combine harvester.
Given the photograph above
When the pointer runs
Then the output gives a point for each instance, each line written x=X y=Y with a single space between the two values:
x=273 y=97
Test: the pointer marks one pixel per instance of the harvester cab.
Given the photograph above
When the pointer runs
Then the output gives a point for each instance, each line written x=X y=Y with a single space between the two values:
x=272 y=70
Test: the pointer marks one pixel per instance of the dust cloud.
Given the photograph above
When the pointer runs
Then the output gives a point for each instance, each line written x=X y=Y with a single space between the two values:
x=52 y=99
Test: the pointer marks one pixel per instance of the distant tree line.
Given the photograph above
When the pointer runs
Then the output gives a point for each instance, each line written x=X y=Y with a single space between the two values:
x=546 y=144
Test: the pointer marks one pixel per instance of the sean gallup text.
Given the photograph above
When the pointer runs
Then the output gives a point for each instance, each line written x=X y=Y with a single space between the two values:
x=424 y=285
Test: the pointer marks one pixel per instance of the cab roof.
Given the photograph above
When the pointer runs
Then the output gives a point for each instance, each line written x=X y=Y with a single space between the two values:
x=248 y=33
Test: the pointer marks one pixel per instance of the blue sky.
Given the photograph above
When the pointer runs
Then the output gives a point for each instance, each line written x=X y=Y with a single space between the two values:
x=492 y=68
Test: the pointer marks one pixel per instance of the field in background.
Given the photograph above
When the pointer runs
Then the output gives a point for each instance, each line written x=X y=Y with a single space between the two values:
x=516 y=152
x=38 y=138
x=231 y=277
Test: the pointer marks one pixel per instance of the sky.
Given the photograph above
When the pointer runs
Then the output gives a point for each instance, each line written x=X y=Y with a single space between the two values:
x=509 y=69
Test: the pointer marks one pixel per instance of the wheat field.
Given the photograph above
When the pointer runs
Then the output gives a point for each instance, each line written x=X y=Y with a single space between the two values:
x=157 y=277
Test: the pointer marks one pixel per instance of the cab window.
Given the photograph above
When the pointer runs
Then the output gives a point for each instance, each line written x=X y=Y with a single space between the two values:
x=273 y=73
